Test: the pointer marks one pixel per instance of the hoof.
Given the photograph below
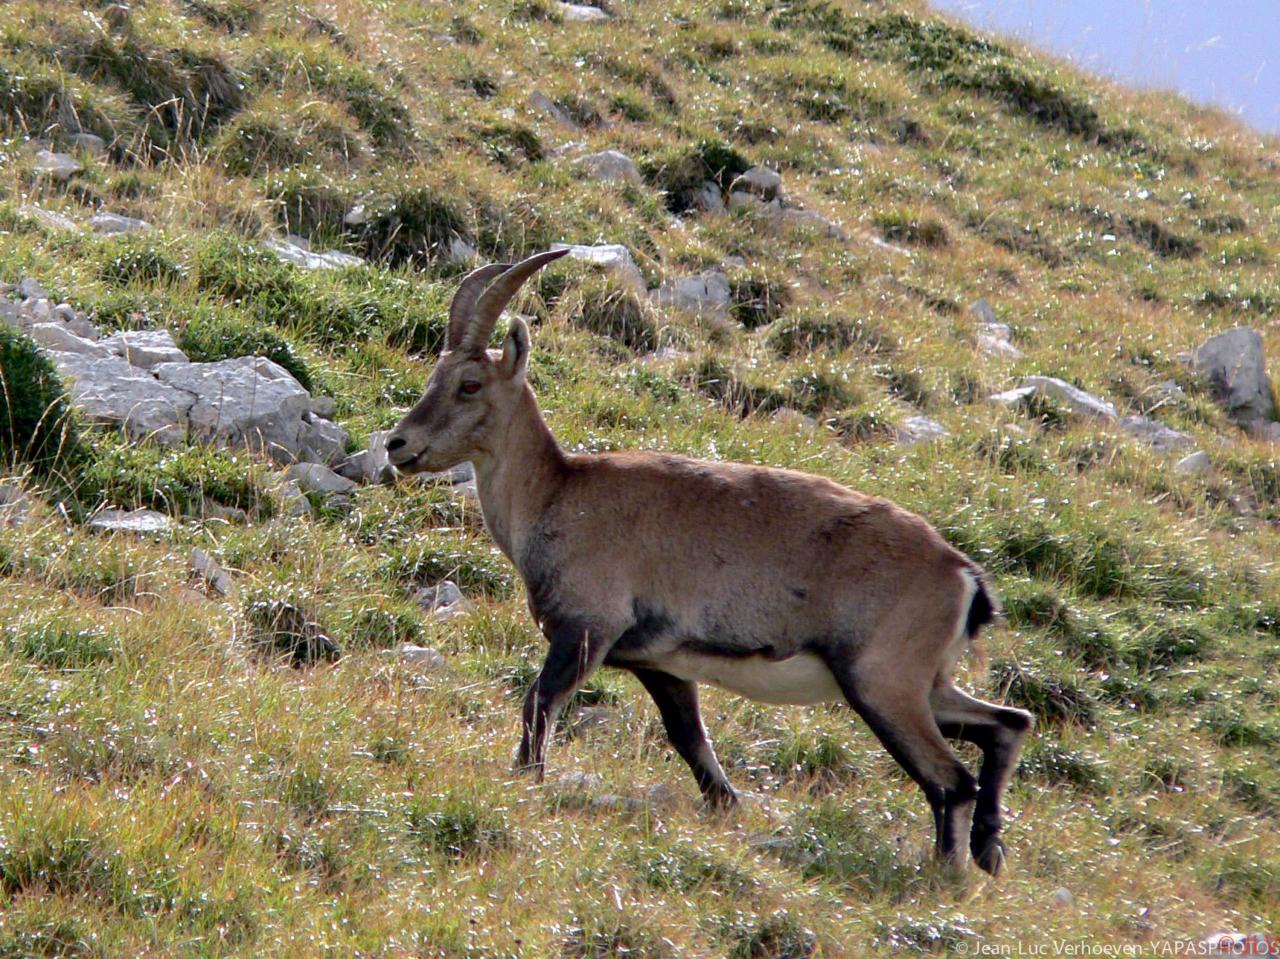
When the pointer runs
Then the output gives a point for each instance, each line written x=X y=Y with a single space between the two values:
x=721 y=800
x=989 y=854
x=535 y=771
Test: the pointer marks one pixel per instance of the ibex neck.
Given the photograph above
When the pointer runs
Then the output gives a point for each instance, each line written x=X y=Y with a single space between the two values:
x=519 y=477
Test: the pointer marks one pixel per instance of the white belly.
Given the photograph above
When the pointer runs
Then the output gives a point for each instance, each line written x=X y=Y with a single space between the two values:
x=801 y=680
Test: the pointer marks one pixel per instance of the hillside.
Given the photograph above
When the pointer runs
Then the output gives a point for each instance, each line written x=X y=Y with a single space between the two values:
x=166 y=789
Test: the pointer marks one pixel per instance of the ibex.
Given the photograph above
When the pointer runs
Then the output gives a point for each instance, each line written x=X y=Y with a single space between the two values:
x=777 y=585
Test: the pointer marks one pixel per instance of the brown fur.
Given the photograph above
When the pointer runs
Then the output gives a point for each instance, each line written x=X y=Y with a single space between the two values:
x=683 y=570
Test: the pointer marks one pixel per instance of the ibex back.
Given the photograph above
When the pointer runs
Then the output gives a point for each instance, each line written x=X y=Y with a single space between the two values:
x=778 y=585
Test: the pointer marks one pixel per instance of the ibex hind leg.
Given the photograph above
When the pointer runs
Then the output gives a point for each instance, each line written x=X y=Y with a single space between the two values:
x=677 y=701
x=999 y=732
x=899 y=715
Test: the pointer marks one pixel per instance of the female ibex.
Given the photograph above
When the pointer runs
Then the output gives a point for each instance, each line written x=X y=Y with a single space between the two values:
x=777 y=585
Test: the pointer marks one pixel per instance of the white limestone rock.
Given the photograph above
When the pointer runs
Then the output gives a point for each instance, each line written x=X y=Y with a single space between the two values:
x=609 y=166
x=145 y=348
x=109 y=224
x=614 y=258
x=707 y=293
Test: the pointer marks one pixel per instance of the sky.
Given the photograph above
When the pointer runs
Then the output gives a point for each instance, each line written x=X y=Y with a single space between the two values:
x=1223 y=52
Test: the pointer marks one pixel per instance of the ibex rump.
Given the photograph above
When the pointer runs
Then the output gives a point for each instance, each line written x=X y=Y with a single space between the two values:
x=778 y=585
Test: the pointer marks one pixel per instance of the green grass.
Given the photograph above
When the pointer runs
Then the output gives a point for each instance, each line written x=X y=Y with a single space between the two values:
x=166 y=791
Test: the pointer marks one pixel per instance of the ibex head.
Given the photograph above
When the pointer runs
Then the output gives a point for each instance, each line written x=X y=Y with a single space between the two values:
x=472 y=391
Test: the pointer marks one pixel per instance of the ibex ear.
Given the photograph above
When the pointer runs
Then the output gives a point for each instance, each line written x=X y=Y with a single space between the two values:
x=515 y=351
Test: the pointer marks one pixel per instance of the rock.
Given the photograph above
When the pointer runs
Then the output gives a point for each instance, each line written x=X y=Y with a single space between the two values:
x=371 y=464
x=1161 y=438
x=131 y=521
x=314 y=478
x=76 y=322
x=207 y=568
x=47 y=218
x=444 y=601
x=614 y=258
x=1236 y=368
x=226 y=514
x=794 y=418
x=423 y=658
x=741 y=201
x=29 y=288
x=293 y=500
x=55 y=336
x=356 y=216
x=887 y=246
x=594 y=717
x=1167 y=391
x=998 y=346
x=321 y=440
x=759 y=181
x=1194 y=464
x=1077 y=400
x=707 y=293
x=324 y=406
x=581 y=13
x=282 y=629
x=1062 y=898
x=609 y=166
x=920 y=429
x=145 y=348
x=709 y=198
x=90 y=143
x=462 y=252
x=1014 y=397
x=984 y=313
x=108 y=390
x=35 y=310
x=548 y=107
x=787 y=849
x=301 y=256
x=11 y=315
x=578 y=781
x=113 y=223
x=458 y=475
x=57 y=166
x=813 y=219
x=15 y=507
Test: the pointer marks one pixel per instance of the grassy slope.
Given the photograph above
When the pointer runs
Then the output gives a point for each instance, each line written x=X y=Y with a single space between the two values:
x=162 y=794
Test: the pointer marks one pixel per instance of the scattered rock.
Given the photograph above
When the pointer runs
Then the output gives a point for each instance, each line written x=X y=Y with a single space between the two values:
x=90 y=143
x=812 y=218
x=588 y=718
x=291 y=251
x=145 y=348
x=131 y=521
x=609 y=166
x=57 y=166
x=1161 y=438
x=112 y=223
x=30 y=288
x=887 y=246
x=998 y=346
x=227 y=514
x=108 y=390
x=1080 y=403
x=1062 y=898
x=709 y=198
x=15 y=506
x=984 y=313
x=282 y=629
x=293 y=500
x=444 y=601
x=794 y=418
x=613 y=258
x=55 y=336
x=545 y=105
x=423 y=658
x=358 y=215
x=371 y=464
x=1014 y=397
x=207 y=568
x=1236 y=368
x=1194 y=464
x=994 y=337
x=324 y=406
x=920 y=429
x=581 y=13
x=47 y=218
x=578 y=781
x=315 y=478
x=759 y=181
x=707 y=293
x=787 y=849
x=461 y=252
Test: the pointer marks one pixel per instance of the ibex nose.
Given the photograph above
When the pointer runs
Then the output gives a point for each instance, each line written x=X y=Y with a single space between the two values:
x=394 y=443
x=397 y=451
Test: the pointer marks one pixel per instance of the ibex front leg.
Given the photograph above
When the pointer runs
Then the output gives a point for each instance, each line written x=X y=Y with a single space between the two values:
x=576 y=652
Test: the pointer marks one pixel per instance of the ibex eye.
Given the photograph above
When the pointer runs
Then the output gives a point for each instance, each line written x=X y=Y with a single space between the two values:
x=469 y=388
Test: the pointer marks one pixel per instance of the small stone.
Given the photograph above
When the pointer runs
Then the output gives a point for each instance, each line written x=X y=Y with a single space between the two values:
x=29 y=288
x=998 y=346
x=300 y=255
x=1161 y=438
x=462 y=252
x=321 y=440
x=581 y=13
x=707 y=293
x=207 y=568
x=594 y=717
x=15 y=507
x=1236 y=367
x=324 y=406
x=1014 y=397
x=145 y=348
x=48 y=219
x=11 y=315
x=920 y=429
x=984 y=313
x=613 y=258
x=315 y=478
x=131 y=521
x=358 y=215
x=1194 y=464
x=423 y=658
x=759 y=181
x=609 y=166
x=108 y=224
x=444 y=601
x=545 y=105
x=813 y=219
x=1062 y=898
x=293 y=499
x=371 y=464
x=1081 y=403
x=57 y=166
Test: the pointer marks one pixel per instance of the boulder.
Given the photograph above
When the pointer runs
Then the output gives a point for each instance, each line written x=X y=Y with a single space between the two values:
x=315 y=478
x=610 y=166
x=581 y=13
x=614 y=258
x=55 y=336
x=145 y=348
x=57 y=166
x=1236 y=369
x=1081 y=404
x=706 y=293
x=112 y=223
x=108 y=390
x=984 y=313
x=131 y=521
